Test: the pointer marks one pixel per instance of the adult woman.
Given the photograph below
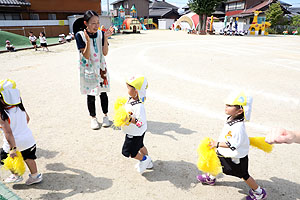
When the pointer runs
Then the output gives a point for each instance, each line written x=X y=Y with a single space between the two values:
x=94 y=78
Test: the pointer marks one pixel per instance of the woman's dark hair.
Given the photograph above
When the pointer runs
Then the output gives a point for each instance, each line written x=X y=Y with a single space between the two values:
x=4 y=108
x=89 y=14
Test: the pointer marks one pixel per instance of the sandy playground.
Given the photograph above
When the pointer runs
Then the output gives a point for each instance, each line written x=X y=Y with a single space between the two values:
x=189 y=76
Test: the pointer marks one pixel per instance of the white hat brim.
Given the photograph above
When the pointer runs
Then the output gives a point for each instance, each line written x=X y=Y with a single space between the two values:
x=11 y=96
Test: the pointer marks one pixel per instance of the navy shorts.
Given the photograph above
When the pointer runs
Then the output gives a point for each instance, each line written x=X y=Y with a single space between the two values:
x=238 y=170
x=27 y=154
x=132 y=145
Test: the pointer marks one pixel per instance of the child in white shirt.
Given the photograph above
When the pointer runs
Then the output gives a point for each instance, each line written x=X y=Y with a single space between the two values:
x=233 y=145
x=134 y=146
x=43 y=41
x=32 y=40
x=17 y=135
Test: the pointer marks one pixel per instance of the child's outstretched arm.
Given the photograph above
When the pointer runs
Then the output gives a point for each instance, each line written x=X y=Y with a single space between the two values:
x=9 y=137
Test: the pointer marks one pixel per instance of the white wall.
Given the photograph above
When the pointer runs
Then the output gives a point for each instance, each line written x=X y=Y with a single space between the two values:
x=220 y=25
x=165 y=23
x=105 y=21
x=9 y=23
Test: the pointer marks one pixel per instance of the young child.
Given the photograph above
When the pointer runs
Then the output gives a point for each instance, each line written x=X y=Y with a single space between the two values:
x=233 y=145
x=9 y=46
x=134 y=146
x=17 y=135
x=32 y=40
x=43 y=41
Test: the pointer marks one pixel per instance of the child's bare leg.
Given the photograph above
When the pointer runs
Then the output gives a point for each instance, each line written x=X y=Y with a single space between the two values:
x=144 y=150
x=31 y=164
x=251 y=182
x=139 y=156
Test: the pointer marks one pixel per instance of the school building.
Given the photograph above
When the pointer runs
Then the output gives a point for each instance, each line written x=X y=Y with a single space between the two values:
x=244 y=9
x=51 y=16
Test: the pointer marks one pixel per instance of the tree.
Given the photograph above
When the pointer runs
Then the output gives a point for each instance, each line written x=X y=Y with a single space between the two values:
x=296 y=21
x=274 y=14
x=203 y=8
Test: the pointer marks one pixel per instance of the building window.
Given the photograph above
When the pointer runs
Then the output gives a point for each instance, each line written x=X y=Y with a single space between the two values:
x=235 y=6
x=240 y=5
x=34 y=16
x=260 y=20
x=10 y=16
x=52 y=16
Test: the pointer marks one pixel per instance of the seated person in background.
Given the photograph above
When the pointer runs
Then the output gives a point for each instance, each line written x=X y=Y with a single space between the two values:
x=61 y=38
x=9 y=46
x=69 y=37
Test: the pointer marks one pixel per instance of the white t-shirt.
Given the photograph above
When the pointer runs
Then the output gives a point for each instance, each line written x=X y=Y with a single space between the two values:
x=22 y=134
x=43 y=39
x=235 y=136
x=138 y=112
x=32 y=38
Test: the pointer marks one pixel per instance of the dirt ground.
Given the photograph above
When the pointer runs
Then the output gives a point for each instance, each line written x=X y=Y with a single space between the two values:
x=189 y=77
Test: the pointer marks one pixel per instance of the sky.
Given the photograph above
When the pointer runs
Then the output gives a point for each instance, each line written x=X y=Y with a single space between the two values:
x=181 y=3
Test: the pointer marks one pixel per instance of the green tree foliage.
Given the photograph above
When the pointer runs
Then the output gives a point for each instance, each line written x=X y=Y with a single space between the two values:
x=274 y=14
x=203 y=8
x=296 y=20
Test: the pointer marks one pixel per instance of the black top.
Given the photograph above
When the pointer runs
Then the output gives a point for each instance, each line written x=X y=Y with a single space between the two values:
x=81 y=44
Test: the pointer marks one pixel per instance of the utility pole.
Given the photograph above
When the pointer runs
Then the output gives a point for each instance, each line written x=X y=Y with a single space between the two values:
x=107 y=7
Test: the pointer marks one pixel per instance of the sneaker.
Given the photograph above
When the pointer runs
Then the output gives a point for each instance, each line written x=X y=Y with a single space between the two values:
x=253 y=196
x=150 y=166
x=32 y=180
x=13 y=179
x=143 y=165
x=205 y=179
x=94 y=123
x=106 y=122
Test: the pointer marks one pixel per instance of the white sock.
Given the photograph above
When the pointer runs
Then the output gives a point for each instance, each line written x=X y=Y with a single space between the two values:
x=258 y=190
x=211 y=176
x=34 y=175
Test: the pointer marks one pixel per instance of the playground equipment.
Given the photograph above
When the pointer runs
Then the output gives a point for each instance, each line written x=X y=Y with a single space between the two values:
x=149 y=24
x=209 y=24
x=131 y=25
x=258 y=29
x=295 y=32
x=133 y=12
x=118 y=21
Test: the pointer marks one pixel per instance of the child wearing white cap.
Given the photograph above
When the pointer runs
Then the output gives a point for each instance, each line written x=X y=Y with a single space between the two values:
x=17 y=135
x=233 y=145
x=134 y=140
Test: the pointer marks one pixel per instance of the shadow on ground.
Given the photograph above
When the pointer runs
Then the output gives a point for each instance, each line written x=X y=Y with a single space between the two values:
x=180 y=173
x=65 y=182
x=277 y=188
x=45 y=153
x=161 y=128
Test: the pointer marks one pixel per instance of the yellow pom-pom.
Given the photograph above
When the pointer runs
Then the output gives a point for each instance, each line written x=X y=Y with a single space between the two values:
x=259 y=142
x=16 y=164
x=120 y=101
x=121 y=117
x=208 y=161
